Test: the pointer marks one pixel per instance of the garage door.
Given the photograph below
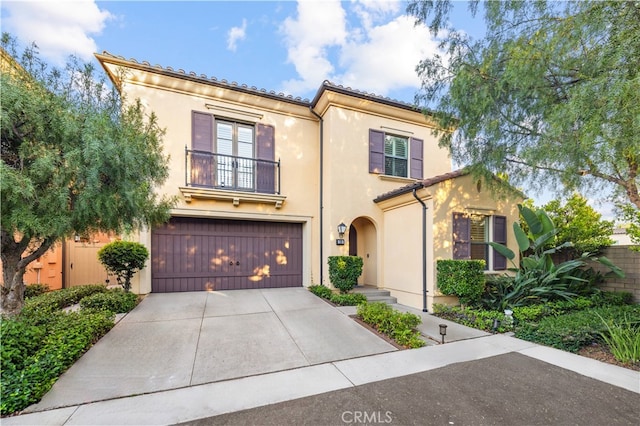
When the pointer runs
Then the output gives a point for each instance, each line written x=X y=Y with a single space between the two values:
x=192 y=254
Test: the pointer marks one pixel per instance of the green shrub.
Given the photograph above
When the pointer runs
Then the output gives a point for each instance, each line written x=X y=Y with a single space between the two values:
x=33 y=290
x=623 y=339
x=612 y=298
x=41 y=306
x=116 y=301
x=400 y=326
x=123 y=259
x=572 y=331
x=350 y=299
x=462 y=278
x=344 y=272
x=475 y=318
x=45 y=353
x=321 y=291
x=534 y=313
x=538 y=278
x=20 y=340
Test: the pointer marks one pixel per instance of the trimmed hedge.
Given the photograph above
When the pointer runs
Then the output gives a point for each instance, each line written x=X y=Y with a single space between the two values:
x=116 y=301
x=344 y=272
x=400 y=326
x=462 y=278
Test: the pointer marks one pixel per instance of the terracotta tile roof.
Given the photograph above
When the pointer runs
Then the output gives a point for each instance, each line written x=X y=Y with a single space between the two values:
x=328 y=85
x=425 y=183
x=191 y=75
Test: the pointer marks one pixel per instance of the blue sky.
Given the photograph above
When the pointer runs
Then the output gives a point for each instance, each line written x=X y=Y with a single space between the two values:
x=286 y=46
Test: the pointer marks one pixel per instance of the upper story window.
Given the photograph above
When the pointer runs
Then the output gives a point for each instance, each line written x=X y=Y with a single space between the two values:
x=472 y=234
x=396 y=149
x=394 y=155
x=235 y=147
x=233 y=155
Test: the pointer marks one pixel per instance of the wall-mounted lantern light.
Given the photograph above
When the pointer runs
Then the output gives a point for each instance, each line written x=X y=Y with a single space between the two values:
x=443 y=331
x=342 y=228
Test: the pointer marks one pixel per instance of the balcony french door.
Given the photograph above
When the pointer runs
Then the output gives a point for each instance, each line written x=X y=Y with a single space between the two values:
x=235 y=167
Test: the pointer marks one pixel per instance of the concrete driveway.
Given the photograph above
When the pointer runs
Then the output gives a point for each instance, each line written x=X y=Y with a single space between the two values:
x=178 y=340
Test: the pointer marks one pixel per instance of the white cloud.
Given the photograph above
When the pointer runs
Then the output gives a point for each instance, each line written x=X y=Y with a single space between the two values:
x=59 y=28
x=318 y=26
x=373 y=48
x=388 y=58
x=235 y=34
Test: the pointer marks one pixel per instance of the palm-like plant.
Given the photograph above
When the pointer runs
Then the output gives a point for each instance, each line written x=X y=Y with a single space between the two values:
x=538 y=278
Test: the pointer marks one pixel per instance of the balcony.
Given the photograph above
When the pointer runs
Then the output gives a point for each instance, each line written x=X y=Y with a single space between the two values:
x=228 y=177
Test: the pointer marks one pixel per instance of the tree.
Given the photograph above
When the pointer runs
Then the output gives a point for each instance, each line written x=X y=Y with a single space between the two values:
x=548 y=96
x=631 y=216
x=76 y=159
x=579 y=224
x=123 y=259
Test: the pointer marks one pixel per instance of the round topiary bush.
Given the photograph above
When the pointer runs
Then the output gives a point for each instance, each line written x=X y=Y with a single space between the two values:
x=123 y=259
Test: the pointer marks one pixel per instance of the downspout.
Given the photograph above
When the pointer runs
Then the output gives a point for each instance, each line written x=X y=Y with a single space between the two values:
x=424 y=251
x=321 y=190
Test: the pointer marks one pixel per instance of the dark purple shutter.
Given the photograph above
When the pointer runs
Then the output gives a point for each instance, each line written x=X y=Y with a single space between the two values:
x=265 y=150
x=202 y=142
x=376 y=151
x=461 y=236
x=416 y=148
x=499 y=236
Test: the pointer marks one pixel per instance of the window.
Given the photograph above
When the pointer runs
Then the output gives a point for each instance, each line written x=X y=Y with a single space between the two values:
x=472 y=234
x=232 y=155
x=479 y=237
x=234 y=146
x=395 y=155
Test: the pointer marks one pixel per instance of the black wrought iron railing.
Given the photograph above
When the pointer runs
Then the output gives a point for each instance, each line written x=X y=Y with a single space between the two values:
x=208 y=170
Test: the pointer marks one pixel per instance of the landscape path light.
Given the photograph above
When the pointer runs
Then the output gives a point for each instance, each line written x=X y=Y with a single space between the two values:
x=443 y=331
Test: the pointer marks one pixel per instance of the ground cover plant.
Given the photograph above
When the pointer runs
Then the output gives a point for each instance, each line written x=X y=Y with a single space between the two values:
x=603 y=318
x=342 y=299
x=400 y=326
x=40 y=343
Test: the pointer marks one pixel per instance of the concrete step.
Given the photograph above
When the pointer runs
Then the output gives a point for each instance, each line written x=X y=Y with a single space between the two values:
x=375 y=294
x=386 y=299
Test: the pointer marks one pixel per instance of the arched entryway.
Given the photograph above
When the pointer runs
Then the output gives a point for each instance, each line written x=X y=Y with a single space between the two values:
x=363 y=243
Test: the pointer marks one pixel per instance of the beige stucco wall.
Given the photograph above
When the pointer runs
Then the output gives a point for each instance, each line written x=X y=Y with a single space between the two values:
x=402 y=249
x=349 y=188
x=296 y=145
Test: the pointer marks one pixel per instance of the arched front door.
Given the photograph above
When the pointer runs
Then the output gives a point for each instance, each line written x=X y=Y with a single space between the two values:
x=363 y=243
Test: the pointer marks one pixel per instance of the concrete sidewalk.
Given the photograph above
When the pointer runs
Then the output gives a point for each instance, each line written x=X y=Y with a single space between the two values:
x=408 y=373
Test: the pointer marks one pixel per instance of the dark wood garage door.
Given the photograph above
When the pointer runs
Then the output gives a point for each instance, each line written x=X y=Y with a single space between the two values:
x=192 y=254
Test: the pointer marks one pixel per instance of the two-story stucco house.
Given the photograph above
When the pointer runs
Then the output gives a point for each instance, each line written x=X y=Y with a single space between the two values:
x=264 y=180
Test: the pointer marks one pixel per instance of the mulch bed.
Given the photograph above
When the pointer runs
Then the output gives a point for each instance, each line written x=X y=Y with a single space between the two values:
x=602 y=353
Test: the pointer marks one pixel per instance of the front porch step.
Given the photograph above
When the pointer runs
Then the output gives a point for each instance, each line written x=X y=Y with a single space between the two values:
x=375 y=294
